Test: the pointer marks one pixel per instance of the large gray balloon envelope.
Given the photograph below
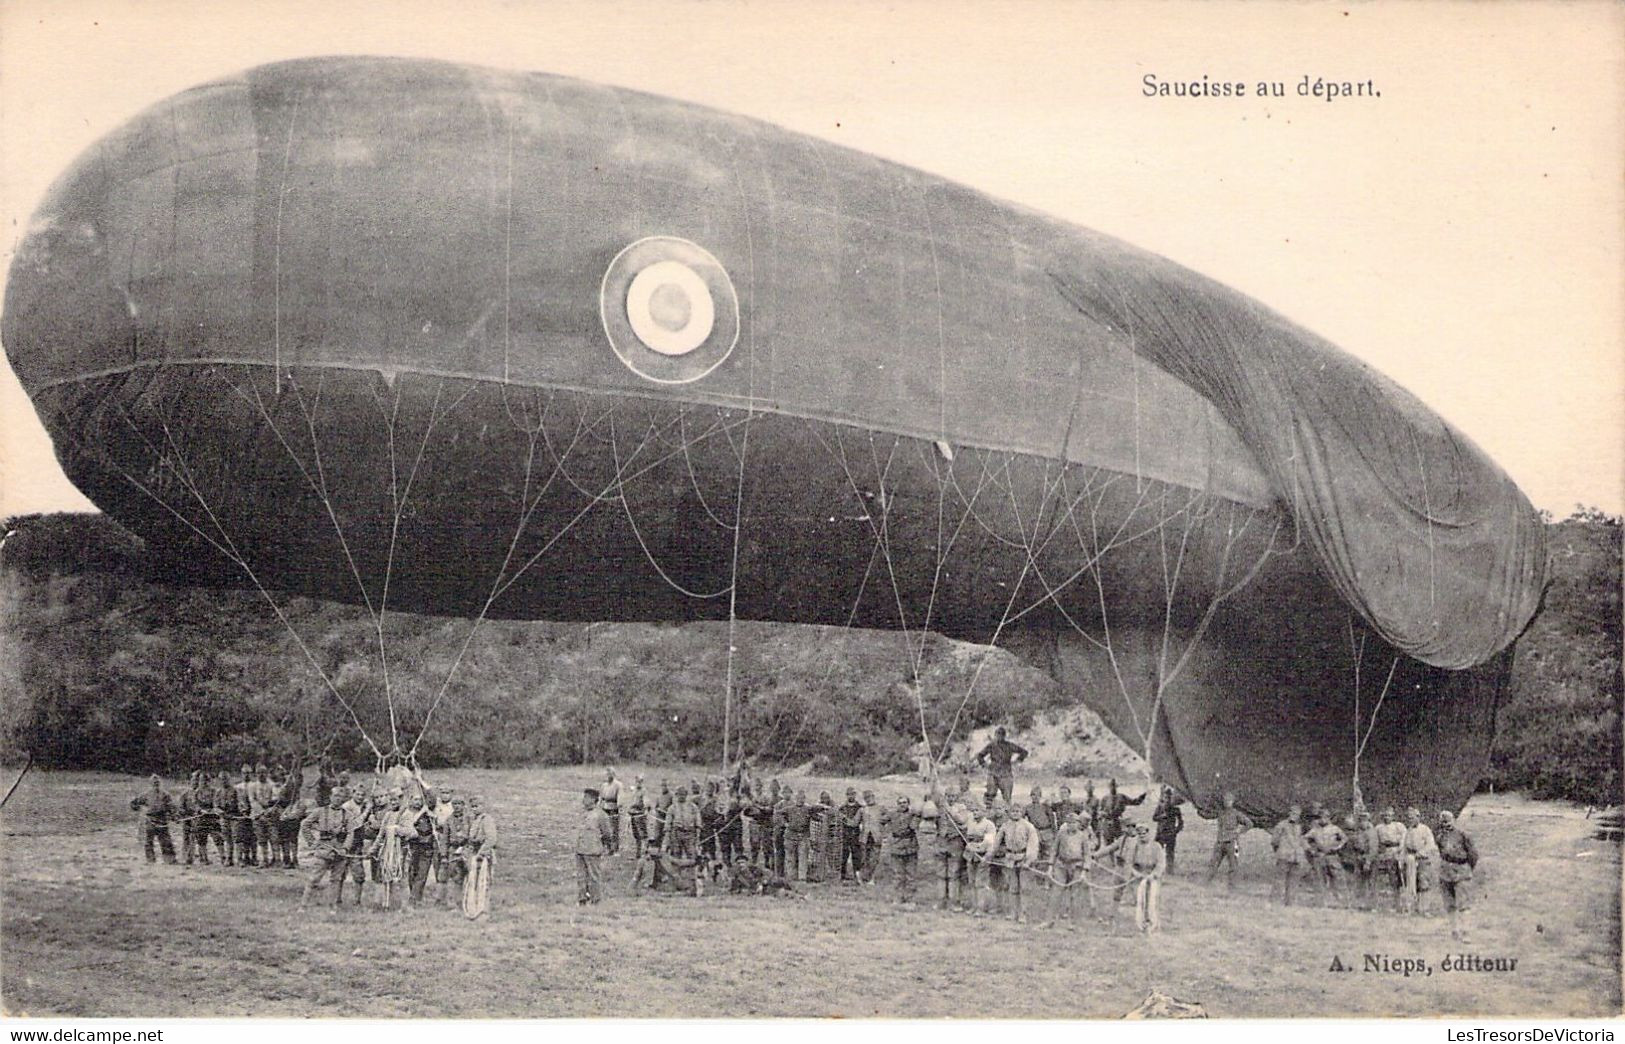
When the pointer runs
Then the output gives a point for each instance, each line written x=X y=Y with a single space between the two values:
x=439 y=338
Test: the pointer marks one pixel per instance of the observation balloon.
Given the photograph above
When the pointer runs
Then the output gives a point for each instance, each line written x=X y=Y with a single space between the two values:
x=430 y=337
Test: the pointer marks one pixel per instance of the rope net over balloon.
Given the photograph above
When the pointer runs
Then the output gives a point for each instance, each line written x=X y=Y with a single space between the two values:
x=1037 y=539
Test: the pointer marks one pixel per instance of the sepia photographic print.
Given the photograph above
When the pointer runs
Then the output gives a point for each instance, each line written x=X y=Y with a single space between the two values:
x=743 y=510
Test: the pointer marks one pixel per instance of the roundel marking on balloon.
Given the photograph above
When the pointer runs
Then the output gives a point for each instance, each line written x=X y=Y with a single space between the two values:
x=669 y=309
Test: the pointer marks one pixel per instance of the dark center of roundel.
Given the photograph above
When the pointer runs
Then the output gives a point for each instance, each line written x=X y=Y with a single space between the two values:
x=669 y=310
x=669 y=306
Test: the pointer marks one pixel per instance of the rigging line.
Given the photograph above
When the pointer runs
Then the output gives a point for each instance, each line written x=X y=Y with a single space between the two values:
x=1028 y=564
x=397 y=505
x=626 y=508
x=1357 y=652
x=497 y=590
x=884 y=473
x=276 y=284
x=1222 y=597
x=1427 y=518
x=593 y=501
x=916 y=659
x=229 y=554
x=395 y=508
x=733 y=591
x=882 y=543
x=1049 y=487
x=1015 y=591
x=588 y=429
x=526 y=512
x=693 y=479
x=1105 y=618
x=1170 y=584
x=1170 y=590
x=322 y=492
x=1375 y=710
x=507 y=271
x=1051 y=593
x=309 y=413
x=982 y=523
x=881 y=532
x=1027 y=542
x=316 y=487
x=943 y=472
x=852 y=615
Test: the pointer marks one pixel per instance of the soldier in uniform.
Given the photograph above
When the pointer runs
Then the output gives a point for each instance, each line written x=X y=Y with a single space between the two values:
x=421 y=839
x=1071 y=857
x=797 y=837
x=745 y=879
x=593 y=837
x=903 y=846
x=359 y=808
x=1043 y=820
x=480 y=855
x=1421 y=860
x=637 y=817
x=1018 y=850
x=1112 y=807
x=242 y=822
x=1290 y=853
x=609 y=796
x=1170 y=821
x=191 y=815
x=733 y=827
x=779 y=824
x=1359 y=857
x=981 y=842
x=947 y=837
x=850 y=815
x=1232 y=823
x=327 y=834
x=1390 y=867
x=262 y=795
x=682 y=833
x=660 y=818
x=874 y=830
x=1326 y=843
x=157 y=808
x=451 y=870
x=225 y=806
x=210 y=823
x=823 y=853
x=1062 y=806
x=714 y=821
x=1148 y=862
x=1091 y=811
x=999 y=757
x=1458 y=858
x=292 y=808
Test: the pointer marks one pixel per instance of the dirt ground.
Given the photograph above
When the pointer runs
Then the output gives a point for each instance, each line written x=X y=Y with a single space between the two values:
x=89 y=929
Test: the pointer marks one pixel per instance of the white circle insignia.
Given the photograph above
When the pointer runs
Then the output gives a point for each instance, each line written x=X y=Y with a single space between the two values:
x=669 y=310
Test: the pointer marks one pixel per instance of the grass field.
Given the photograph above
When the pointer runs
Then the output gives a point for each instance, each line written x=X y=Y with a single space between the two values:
x=89 y=929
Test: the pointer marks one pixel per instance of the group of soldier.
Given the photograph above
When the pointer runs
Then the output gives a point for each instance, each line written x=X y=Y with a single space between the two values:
x=994 y=855
x=1354 y=861
x=987 y=856
x=392 y=833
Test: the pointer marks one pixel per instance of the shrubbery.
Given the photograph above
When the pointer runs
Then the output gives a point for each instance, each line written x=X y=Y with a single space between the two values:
x=1559 y=729
x=100 y=668
x=112 y=671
